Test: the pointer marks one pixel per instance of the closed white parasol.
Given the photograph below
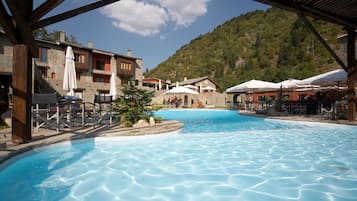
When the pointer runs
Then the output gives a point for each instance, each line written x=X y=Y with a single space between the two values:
x=113 y=86
x=69 y=77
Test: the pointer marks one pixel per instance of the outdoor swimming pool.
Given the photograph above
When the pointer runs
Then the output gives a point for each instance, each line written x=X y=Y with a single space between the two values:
x=248 y=159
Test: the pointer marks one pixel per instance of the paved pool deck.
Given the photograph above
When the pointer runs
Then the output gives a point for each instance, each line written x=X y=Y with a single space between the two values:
x=45 y=137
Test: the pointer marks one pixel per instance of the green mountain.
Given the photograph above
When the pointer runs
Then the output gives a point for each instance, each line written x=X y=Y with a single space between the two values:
x=271 y=45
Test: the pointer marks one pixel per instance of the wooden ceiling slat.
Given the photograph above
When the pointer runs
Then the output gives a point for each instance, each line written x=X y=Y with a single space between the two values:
x=343 y=12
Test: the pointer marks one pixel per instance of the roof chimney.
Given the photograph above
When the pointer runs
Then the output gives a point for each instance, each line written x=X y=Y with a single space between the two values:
x=90 y=44
x=62 y=36
x=130 y=53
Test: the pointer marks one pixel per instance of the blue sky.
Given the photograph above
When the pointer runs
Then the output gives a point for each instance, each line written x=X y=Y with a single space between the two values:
x=152 y=29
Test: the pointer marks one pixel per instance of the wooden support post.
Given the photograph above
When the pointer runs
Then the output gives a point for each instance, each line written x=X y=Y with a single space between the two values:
x=351 y=71
x=22 y=94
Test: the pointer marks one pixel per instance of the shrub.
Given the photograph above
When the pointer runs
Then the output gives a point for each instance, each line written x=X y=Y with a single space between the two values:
x=158 y=119
x=132 y=105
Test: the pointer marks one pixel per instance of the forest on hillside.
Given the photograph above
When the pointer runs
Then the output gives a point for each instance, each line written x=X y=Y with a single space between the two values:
x=271 y=45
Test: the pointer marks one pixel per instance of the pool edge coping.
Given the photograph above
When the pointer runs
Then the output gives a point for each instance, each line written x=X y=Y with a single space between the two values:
x=49 y=138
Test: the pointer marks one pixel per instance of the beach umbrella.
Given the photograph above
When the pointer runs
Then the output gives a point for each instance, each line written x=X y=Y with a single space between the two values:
x=181 y=90
x=254 y=86
x=69 y=77
x=113 y=87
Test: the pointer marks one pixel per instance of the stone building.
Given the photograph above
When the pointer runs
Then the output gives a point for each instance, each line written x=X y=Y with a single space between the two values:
x=93 y=68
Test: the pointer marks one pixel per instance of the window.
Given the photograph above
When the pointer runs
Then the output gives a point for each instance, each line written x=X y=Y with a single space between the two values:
x=43 y=71
x=79 y=58
x=125 y=66
x=43 y=54
x=99 y=64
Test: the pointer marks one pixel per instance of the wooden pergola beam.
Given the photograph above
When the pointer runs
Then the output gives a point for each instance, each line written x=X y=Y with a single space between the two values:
x=43 y=9
x=7 y=24
x=20 y=11
x=71 y=13
x=322 y=41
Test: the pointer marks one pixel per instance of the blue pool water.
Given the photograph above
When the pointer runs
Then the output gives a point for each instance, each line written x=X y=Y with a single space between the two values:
x=213 y=121
x=253 y=159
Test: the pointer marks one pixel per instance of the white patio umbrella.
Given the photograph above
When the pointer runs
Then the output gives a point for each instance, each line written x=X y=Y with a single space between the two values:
x=253 y=86
x=190 y=86
x=290 y=83
x=181 y=90
x=113 y=87
x=69 y=77
x=331 y=77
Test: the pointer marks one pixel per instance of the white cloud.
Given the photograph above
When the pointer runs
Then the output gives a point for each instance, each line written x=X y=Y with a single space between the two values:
x=184 y=12
x=147 y=18
x=137 y=17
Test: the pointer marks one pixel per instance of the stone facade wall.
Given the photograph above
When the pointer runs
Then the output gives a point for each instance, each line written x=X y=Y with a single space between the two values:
x=6 y=52
x=208 y=99
x=205 y=83
x=139 y=72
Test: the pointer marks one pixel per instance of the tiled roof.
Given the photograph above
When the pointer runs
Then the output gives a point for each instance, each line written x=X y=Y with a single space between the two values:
x=193 y=81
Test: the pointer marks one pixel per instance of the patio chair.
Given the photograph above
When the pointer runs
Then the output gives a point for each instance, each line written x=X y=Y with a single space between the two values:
x=327 y=112
x=100 y=111
x=45 y=111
